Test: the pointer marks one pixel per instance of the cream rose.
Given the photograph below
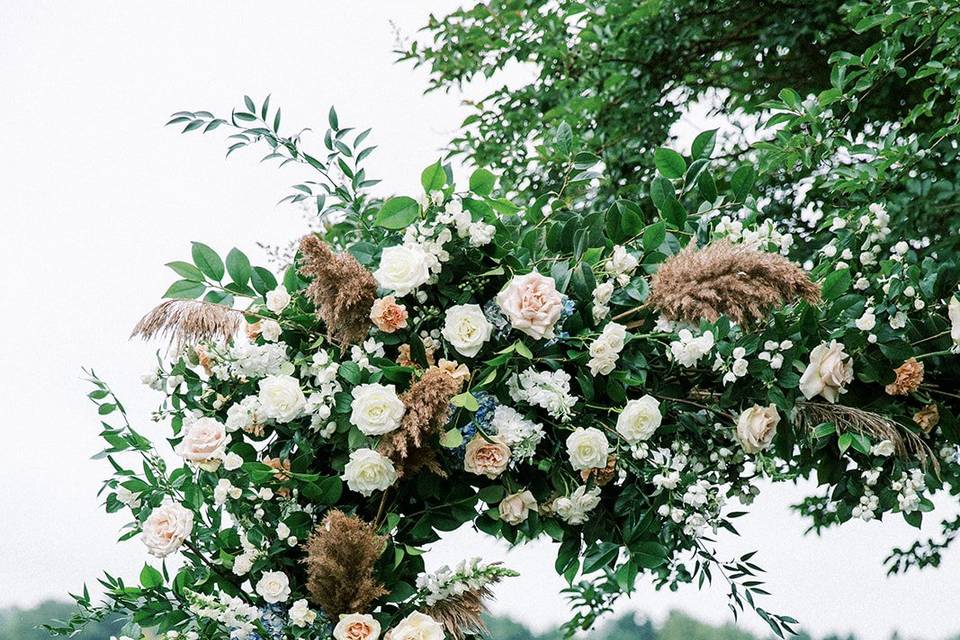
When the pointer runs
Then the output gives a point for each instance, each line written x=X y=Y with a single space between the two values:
x=166 y=528
x=417 y=626
x=281 y=398
x=278 y=299
x=376 y=409
x=756 y=427
x=953 y=311
x=532 y=304
x=639 y=419
x=301 y=615
x=516 y=507
x=204 y=443
x=588 y=448
x=486 y=457
x=368 y=471
x=466 y=328
x=357 y=626
x=402 y=269
x=830 y=368
x=274 y=586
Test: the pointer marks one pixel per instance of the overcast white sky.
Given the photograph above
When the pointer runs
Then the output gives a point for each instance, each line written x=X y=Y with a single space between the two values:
x=95 y=196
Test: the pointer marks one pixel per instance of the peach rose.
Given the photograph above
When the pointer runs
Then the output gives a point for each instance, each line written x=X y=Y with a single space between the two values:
x=357 y=626
x=829 y=370
x=388 y=315
x=486 y=457
x=532 y=304
x=516 y=507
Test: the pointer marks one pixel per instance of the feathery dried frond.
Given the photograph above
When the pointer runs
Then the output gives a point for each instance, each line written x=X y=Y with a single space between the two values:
x=189 y=322
x=427 y=404
x=341 y=289
x=727 y=279
x=877 y=427
x=462 y=615
x=341 y=554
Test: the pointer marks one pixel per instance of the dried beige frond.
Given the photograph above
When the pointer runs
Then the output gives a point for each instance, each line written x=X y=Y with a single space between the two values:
x=341 y=554
x=727 y=279
x=427 y=404
x=185 y=322
x=462 y=615
x=341 y=289
x=853 y=420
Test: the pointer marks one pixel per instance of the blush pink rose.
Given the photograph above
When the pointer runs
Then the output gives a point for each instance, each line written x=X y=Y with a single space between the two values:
x=388 y=315
x=485 y=457
x=204 y=443
x=532 y=304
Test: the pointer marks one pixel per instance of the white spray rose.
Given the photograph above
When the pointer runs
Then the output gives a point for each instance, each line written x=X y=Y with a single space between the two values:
x=281 y=398
x=278 y=299
x=573 y=509
x=639 y=419
x=274 y=586
x=417 y=626
x=756 y=427
x=376 y=409
x=301 y=615
x=466 y=328
x=270 y=330
x=829 y=370
x=166 y=528
x=402 y=269
x=588 y=448
x=368 y=471
x=605 y=350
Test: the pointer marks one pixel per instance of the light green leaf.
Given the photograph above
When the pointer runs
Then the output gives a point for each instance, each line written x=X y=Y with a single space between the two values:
x=398 y=212
x=669 y=163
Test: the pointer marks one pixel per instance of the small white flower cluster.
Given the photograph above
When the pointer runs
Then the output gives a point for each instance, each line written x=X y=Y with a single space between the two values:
x=320 y=402
x=769 y=353
x=244 y=562
x=621 y=265
x=248 y=360
x=362 y=354
x=866 y=509
x=687 y=350
x=549 y=390
x=908 y=489
x=515 y=431
x=601 y=300
x=762 y=237
x=467 y=575
x=605 y=350
x=301 y=615
x=573 y=509
x=430 y=239
x=224 y=490
x=477 y=233
x=244 y=414
x=230 y=611
x=734 y=371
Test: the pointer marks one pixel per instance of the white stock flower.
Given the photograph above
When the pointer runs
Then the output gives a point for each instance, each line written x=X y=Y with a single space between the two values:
x=243 y=414
x=417 y=626
x=281 y=398
x=588 y=448
x=621 y=264
x=466 y=328
x=829 y=370
x=518 y=433
x=278 y=299
x=356 y=626
x=166 y=528
x=639 y=419
x=301 y=615
x=756 y=427
x=376 y=409
x=368 y=471
x=402 y=269
x=573 y=509
x=274 y=586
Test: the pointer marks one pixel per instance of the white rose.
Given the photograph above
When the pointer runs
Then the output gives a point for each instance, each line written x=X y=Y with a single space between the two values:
x=639 y=419
x=232 y=462
x=516 y=507
x=588 y=448
x=204 y=443
x=417 y=626
x=402 y=269
x=466 y=328
x=829 y=370
x=953 y=311
x=274 y=586
x=357 y=626
x=884 y=448
x=301 y=615
x=376 y=409
x=281 y=398
x=270 y=330
x=278 y=299
x=368 y=471
x=166 y=528
x=756 y=427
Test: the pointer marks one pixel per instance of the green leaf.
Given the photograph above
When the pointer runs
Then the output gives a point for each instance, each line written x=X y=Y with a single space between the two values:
x=150 y=577
x=704 y=144
x=186 y=270
x=466 y=400
x=238 y=266
x=742 y=181
x=452 y=439
x=398 y=212
x=653 y=236
x=185 y=290
x=333 y=119
x=482 y=182
x=433 y=177
x=669 y=163
x=207 y=261
x=263 y=280
x=836 y=284
x=523 y=350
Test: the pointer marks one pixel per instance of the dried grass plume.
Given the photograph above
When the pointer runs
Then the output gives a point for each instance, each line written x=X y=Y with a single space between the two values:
x=727 y=279
x=340 y=560
x=341 y=289
x=462 y=615
x=185 y=322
